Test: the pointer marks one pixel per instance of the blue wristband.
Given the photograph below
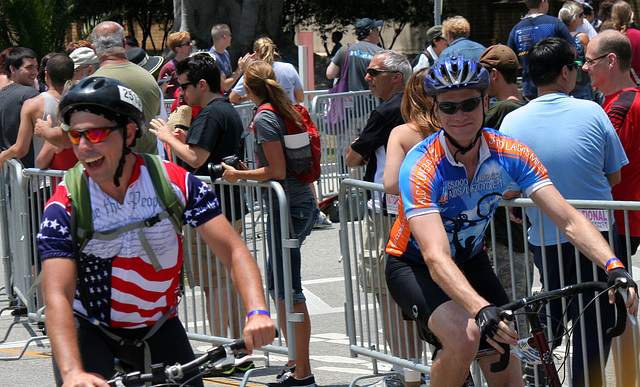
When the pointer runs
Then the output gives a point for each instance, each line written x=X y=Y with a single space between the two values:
x=259 y=311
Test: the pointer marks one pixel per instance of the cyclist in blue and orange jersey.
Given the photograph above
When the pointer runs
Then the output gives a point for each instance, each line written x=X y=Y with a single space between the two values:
x=450 y=185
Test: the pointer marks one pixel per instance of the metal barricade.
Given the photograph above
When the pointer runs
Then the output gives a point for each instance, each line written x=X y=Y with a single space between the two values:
x=24 y=194
x=6 y=287
x=310 y=94
x=375 y=327
x=220 y=302
x=25 y=191
x=340 y=118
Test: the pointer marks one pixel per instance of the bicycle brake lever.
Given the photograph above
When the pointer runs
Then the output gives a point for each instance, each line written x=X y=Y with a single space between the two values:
x=622 y=289
x=507 y=315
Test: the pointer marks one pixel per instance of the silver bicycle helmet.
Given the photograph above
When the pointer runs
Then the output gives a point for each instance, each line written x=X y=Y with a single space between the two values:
x=456 y=73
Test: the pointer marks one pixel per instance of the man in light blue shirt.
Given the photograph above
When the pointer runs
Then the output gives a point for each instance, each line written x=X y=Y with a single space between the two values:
x=575 y=140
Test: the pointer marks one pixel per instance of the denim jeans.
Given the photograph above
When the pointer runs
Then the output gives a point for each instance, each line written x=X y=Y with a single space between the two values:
x=303 y=217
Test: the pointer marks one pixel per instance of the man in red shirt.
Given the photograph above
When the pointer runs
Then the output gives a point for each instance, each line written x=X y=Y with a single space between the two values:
x=608 y=60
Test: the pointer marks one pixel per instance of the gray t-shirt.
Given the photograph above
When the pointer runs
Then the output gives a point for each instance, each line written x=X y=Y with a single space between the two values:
x=360 y=54
x=12 y=98
x=271 y=127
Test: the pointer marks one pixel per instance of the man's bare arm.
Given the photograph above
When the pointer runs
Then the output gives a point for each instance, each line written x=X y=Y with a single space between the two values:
x=354 y=159
x=333 y=71
x=193 y=155
x=614 y=178
x=53 y=134
x=434 y=246
x=59 y=282
x=580 y=232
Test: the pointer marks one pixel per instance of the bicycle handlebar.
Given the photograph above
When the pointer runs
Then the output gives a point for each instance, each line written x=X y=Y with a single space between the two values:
x=161 y=373
x=567 y=291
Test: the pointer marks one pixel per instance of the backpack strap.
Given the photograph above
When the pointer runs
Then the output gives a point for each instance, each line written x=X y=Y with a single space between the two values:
x=161 y=183
x=78 y=190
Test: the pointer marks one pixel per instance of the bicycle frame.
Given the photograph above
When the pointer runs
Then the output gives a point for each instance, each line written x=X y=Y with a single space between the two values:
x=532 y=305
x=542 y=344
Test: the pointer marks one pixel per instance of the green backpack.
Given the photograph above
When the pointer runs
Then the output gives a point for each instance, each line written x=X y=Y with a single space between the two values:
x=82 y=221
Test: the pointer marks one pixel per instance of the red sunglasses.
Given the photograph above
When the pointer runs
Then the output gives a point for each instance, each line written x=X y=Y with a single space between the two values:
x=94 y=135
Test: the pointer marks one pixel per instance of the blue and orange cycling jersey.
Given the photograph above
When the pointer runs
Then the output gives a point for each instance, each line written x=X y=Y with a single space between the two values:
x=431 y=181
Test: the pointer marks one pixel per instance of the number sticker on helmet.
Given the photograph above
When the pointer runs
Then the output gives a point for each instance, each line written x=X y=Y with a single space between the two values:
x=127 y=95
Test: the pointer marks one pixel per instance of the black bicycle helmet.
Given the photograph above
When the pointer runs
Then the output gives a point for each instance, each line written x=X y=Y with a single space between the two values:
x=456 y=73
x=110 y=99
x=107 y=97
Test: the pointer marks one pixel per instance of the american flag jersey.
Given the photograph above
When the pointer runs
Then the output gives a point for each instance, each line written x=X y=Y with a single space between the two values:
x=124 y=290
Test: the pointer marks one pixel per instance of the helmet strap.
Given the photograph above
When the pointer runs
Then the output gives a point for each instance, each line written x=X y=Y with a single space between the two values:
x=125 y=151
x=460 y=148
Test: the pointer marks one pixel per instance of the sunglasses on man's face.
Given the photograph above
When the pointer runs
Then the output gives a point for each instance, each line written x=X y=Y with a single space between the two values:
x=466 y=106
x=375 y=72
x=94 y=135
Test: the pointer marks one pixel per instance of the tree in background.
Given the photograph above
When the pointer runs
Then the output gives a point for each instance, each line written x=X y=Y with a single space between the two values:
x=38 y=24
x=326 y=16
x=148 y=14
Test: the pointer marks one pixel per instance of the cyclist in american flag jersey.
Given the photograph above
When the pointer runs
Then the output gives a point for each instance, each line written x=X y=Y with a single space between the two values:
x=119 y=302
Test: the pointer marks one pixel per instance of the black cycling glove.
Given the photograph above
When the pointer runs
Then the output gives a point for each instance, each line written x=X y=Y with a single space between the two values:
x=488 y=319
x=619 y=272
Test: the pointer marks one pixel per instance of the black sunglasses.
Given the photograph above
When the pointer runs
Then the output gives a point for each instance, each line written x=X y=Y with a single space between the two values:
x=466 y=106
x=184 y=44
x=375 y=72
x=184 y=85
x=589 y=62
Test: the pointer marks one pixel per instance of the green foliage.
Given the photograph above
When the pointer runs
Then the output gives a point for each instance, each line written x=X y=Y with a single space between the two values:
x=330 y=15
x=42 y=25
x=37 y=24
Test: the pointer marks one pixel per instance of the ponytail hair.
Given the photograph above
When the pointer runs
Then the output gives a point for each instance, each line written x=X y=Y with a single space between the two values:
x=260 y=79
x=266 y=50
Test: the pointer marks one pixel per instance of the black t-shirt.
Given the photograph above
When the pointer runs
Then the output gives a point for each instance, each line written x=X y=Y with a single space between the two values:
x=493 y=119
x=217 y=128
x=12 y=98
x=376 y=133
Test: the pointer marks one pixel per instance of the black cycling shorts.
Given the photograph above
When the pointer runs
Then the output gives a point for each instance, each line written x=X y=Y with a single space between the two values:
x=417 y=294
x=169 y=345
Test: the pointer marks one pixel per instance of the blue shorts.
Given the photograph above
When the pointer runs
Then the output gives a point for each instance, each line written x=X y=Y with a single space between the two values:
x=303 y=217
